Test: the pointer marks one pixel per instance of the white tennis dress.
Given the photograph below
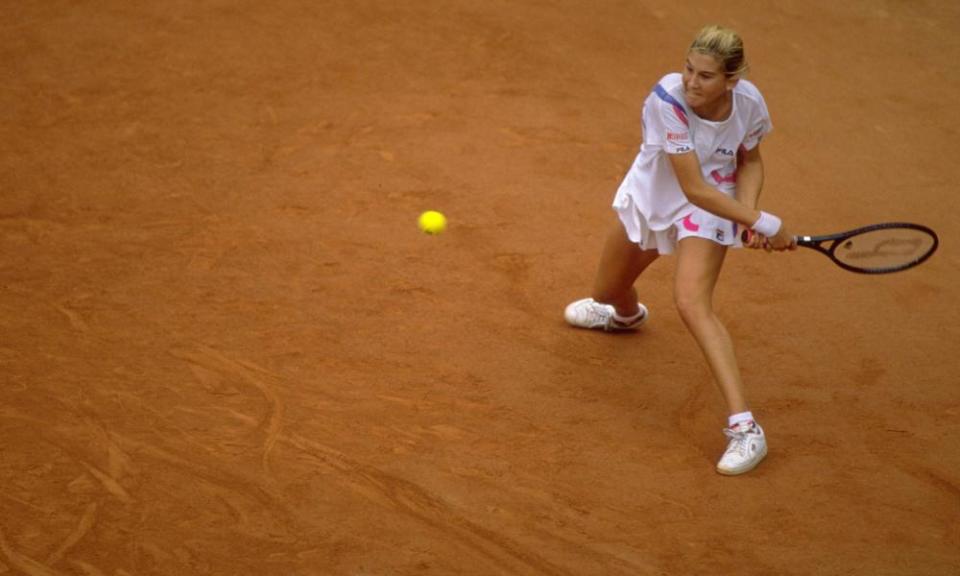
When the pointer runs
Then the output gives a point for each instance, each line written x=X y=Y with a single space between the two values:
x=652 y=206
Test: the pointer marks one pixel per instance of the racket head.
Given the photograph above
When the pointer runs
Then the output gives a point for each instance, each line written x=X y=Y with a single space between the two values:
x=877 y=249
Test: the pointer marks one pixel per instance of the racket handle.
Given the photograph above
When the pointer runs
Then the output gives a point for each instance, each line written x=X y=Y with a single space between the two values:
x=747 y=235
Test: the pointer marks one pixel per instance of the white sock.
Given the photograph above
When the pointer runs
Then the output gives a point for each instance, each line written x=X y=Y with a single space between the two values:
x=740 y=418
x=627 y=319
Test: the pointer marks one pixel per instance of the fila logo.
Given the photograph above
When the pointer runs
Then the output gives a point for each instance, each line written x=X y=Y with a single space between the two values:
x=724 y=152
x=719 y=235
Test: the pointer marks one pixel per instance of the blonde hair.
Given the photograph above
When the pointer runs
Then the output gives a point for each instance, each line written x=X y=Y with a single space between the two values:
x=723 y=44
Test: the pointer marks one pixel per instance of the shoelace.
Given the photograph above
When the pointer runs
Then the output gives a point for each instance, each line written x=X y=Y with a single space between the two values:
x=597 y=314
x=739 y=438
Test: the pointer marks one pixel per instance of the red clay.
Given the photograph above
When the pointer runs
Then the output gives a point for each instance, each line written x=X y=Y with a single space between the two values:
x=227 y=349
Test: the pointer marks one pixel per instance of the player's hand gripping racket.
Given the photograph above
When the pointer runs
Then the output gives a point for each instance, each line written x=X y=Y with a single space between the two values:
x=875 y=249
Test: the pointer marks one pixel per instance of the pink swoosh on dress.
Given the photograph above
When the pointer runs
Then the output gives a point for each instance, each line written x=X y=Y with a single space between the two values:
x=689 y=224
x=720 y=178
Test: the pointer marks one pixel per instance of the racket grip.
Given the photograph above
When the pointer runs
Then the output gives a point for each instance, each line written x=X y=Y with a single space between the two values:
x=747 y=235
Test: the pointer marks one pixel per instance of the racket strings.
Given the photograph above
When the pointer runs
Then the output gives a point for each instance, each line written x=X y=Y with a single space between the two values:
x=885 y=249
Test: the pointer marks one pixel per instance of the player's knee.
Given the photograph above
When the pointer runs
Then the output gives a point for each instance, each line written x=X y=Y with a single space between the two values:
x=692 y=306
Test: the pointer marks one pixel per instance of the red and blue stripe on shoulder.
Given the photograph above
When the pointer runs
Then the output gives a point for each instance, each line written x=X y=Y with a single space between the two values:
x=678 y=108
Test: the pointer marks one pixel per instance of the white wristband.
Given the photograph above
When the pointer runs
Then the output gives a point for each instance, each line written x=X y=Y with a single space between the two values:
x=767 y=224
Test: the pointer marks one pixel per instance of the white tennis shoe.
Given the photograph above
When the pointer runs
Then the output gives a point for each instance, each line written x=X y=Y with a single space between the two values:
x=747 y=447
x=588 y=313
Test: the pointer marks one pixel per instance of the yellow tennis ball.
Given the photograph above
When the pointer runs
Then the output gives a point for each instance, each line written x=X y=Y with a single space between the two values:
x=432 y=222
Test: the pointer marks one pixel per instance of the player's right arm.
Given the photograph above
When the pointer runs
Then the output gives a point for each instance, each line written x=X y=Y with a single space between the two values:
x=686 y=167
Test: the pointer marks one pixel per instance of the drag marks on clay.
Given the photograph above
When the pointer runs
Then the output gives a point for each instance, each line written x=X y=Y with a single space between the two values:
x=109 y=483
x=46 y=509
x=405 y=496
x=24 y=563
x=253 y=375
x=33 y=567
x=91 y=570
x=893 y=448
x=118 y=461
x=936 y=480
x=949 y=529
x=84 y=525
x=882 y=449
x=74 y=318
x=258 y=510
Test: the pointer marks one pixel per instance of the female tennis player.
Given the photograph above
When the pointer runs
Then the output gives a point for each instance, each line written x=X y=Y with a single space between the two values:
x=695 y=182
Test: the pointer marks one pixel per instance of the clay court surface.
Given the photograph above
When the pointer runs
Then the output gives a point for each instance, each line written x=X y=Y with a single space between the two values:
x=226 y=348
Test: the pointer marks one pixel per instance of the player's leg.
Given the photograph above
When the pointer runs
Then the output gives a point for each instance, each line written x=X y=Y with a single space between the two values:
x=621 y=263
x=698 y=267
x=613 y=305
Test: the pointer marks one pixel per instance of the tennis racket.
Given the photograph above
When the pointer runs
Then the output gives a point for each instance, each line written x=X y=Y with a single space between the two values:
x=875 y=249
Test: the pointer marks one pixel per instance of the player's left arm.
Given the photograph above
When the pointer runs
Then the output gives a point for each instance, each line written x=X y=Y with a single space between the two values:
x=750 y=183
x=749 y=176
